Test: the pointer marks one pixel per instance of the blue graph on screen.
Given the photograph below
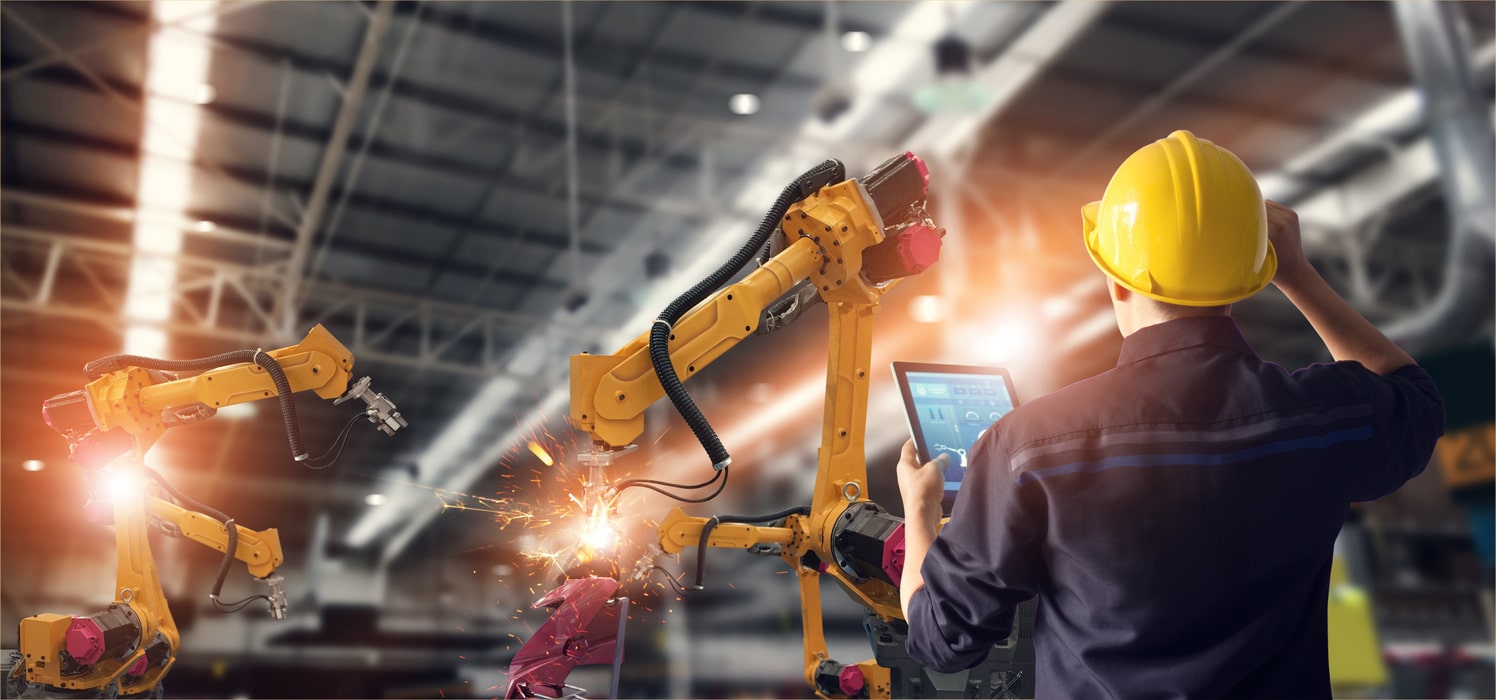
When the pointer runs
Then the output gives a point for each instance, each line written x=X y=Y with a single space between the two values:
x=953 y=410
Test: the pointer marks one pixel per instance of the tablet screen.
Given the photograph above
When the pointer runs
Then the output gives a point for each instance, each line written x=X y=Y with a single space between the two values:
x=949 y=407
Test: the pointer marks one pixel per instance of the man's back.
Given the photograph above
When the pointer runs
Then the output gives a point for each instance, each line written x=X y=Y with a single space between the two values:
x=1176 y=516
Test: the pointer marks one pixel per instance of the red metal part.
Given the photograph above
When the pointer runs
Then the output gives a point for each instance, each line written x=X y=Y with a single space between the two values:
x=84 y=641
x=893 y=554
x=924 y=170
x=583 y=630
x=914 y=249
x=138 y=668
x=851 y=681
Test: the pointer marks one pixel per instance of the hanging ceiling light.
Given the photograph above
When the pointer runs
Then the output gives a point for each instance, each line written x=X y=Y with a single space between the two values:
x=743 y=104
x=954 y=90
x=856 y=42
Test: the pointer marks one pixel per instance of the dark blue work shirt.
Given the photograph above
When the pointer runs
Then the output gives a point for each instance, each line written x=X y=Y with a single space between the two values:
x=1176 y=517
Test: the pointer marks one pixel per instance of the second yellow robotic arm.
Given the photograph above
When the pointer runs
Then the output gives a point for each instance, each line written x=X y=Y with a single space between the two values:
x=110 y=424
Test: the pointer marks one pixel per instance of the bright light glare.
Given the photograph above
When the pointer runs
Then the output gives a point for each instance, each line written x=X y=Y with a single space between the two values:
x=375 y=499
x=601 y=538
x=204 y=93
x=856 y=42
x=238 y=411
x=541 y=454
x=1006 y=340
x=927 y=308
x=146 y=341
x=204 y=227
x=33 y=465
x=744 y=103
x=123 y=486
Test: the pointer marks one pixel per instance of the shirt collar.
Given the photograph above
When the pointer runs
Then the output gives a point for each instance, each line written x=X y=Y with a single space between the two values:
x=1219 y=331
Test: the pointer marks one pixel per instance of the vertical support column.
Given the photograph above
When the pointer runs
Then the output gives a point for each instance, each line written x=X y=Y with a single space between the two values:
x=842 y=463
x=810 y=621
x=49 y=275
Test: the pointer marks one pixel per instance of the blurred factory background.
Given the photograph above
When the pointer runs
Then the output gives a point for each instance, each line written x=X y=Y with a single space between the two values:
x=465 y=194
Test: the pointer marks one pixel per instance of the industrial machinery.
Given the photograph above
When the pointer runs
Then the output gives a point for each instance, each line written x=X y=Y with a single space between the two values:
x=110 y=424
x=845 y=242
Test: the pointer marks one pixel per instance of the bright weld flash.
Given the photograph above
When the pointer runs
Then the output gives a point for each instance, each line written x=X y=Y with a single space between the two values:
x=123 y=486
x=600 y=534
x=541 y=454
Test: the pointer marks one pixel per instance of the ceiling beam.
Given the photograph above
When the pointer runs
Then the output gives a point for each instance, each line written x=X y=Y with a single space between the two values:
x=783 y=15
x=1158 y=29
x=286 y=305
x=382 y=207
x=599 y=54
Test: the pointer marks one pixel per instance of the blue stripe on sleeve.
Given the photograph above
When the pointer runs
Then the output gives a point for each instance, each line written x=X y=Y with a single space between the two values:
x=1312 y=442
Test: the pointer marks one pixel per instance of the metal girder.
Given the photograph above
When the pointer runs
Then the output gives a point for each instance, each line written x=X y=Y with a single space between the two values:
x=369 y=133
x=783 y=15
x=327 y=171
x=207 y=287
x=599 y=54
x=1204 y=67
x=114 y=212
x=1355 y=201
x=382 y=207
x=1151 y=29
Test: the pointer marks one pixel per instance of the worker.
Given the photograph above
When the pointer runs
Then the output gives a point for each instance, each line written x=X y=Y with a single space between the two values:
x=1175 y=515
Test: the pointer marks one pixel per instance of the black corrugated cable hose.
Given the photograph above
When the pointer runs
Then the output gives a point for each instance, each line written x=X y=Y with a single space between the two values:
x=113 y=363
x=814 y=179
x=229 y=525
x=105 y=365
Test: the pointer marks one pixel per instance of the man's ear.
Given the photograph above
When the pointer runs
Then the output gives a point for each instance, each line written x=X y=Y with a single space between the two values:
x=1119 y=292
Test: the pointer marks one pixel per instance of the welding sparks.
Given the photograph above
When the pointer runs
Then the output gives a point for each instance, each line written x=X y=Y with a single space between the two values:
x=539 y=451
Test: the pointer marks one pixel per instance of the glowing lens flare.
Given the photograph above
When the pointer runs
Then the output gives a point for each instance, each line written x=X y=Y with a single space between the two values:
x=123 y=486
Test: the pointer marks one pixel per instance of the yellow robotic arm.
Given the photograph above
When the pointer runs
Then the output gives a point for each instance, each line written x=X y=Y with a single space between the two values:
x=110 y=424
x=851 y=241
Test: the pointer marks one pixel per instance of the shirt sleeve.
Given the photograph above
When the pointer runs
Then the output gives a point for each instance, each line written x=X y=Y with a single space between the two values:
x=979 y=568
x=1407 y=418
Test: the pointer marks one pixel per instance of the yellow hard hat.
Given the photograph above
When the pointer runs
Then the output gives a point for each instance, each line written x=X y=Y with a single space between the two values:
x=1182 y=221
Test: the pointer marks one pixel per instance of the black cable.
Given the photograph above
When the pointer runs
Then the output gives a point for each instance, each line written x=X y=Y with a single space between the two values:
x=631 y=483
x=676 y=496
x=105 y=365
x=232 y=529
x=659 y=333
x=714 y=521
x=287 y=405
x=236 y=606
x=183 y=498
x=336 y=450
x=674 y=584
x=780 y=515
x=706 y=533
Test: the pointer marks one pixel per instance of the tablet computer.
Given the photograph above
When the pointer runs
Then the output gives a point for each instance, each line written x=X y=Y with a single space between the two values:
x=949 y=407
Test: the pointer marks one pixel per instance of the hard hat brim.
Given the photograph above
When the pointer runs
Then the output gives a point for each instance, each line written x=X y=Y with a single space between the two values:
x=1265 y=273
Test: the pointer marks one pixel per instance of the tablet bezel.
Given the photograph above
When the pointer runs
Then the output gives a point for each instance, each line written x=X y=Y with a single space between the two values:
x=901 y=372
